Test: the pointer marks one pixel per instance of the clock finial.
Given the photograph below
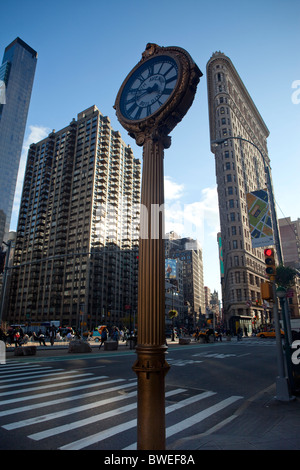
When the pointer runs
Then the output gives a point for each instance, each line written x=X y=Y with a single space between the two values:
x=151 y=48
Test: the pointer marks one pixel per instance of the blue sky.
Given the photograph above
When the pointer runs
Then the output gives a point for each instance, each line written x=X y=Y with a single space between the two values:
x=86 y=49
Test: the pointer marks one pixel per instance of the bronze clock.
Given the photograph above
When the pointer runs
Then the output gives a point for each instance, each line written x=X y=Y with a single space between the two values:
x=157 y=93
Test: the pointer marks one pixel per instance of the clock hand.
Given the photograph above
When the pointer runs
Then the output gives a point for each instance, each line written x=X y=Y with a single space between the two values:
x=149 y=90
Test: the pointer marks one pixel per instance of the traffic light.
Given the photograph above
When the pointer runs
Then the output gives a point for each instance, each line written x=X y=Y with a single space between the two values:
x=270 y=263
x=266 y=291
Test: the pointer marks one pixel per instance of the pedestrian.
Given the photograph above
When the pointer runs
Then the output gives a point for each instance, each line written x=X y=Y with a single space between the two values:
x=52 y=335
x=115 y=335
x=17 y=338
x=103 y=336
x=239 y=334
x=39 y=337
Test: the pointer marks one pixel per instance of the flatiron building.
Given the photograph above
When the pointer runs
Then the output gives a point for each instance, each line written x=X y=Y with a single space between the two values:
x=239 y=170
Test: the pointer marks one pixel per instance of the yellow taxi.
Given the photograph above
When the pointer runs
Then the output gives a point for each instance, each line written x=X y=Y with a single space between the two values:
x=269 y=334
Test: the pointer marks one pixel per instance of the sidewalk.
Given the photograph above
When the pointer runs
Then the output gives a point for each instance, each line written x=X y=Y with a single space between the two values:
x=263 y=423
x=61 y=348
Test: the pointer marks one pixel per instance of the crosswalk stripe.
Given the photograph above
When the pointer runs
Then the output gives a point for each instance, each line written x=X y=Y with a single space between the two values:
x=195 y=419
x=63 y=400
x=177 y=406
x=12 y=370
x=58 y=392
x=31 y=374
x=93 y=419
x=87 y=441
x=66 y=412
x=84 y=422
x=198 y=417
x=15 y=364
x=49 y=379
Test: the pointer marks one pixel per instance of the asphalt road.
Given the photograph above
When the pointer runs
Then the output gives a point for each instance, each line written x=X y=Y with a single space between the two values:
x=88 y=401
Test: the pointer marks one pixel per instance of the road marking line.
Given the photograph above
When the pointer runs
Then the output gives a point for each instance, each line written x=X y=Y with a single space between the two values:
x=87 y=441
x=177 y=406
x=67 y=412
x=198 y=417
x=12 y=370
x=95 y=418
x=50 y=379
x=37 y=371
x=62 y=400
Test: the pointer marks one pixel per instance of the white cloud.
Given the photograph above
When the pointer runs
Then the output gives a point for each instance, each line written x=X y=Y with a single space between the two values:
x=173 y=190
x=36 y=133
x=198 y=220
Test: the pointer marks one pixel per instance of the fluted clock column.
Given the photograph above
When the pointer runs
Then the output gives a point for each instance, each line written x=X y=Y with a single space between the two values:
x=151 y=366
x=152 y=100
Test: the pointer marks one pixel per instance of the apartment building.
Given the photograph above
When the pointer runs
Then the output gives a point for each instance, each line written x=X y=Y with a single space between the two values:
x=290 y=239
x=76 y=250
x=190 y=253
x=240 y=169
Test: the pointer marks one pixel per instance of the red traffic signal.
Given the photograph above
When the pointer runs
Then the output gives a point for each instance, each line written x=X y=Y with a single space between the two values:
x=268 y=252
x=270 y=262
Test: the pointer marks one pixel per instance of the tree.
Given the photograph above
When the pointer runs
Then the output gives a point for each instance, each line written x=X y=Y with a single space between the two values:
x=285 y=276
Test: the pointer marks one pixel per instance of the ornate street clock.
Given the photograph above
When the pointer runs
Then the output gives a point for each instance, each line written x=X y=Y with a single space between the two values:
x=153 y=98
x=158 y=92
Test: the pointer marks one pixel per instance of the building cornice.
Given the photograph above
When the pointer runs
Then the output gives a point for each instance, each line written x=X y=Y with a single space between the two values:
x=219 y=57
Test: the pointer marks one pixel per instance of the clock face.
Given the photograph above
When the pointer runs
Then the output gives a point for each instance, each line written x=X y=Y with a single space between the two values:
x=149 y=87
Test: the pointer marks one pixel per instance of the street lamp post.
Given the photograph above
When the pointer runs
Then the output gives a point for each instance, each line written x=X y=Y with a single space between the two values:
x=282 y=386
x=4 y=281
x=281 y=294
